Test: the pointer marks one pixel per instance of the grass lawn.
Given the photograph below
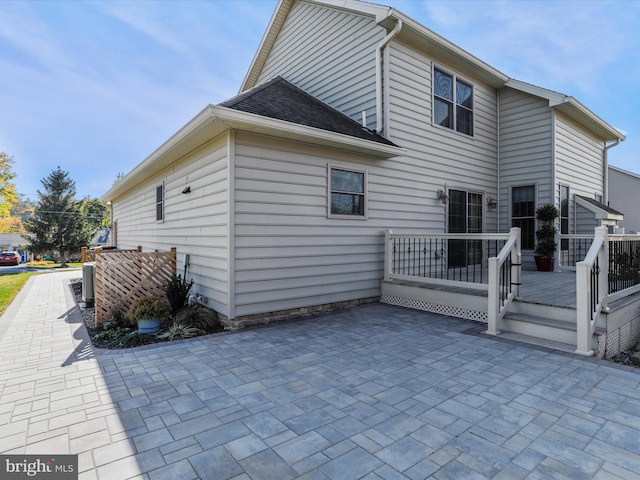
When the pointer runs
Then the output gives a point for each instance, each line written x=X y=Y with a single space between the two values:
x=10 y=285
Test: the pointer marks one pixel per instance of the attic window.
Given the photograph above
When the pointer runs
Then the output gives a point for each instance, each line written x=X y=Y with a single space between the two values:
x=452 y=102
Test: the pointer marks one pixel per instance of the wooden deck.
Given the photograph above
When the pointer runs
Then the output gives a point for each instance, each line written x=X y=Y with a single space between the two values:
x=550 y=288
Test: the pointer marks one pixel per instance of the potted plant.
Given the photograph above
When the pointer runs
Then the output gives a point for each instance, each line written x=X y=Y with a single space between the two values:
x=546 y=236
x=148 y=313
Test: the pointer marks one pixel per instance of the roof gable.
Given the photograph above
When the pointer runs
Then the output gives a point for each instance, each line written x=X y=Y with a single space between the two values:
x=601 y=210
x=281 y=100
x=440 y=48
x=572 y=108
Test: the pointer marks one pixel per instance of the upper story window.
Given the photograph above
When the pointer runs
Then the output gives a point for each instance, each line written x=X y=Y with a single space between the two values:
x=452 y=102
x=347 y=189
x=160 y=203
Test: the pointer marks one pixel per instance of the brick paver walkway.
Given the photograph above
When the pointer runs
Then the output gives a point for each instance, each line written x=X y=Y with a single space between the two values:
x=369 y=392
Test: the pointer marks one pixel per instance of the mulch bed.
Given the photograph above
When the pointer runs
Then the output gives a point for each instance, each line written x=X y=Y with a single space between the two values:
x=89 y=317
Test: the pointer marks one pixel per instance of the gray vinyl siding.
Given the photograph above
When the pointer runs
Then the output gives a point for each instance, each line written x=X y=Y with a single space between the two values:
x=438 y=156
x=526 y=149
x=579 y=159
x=331 y=55
x=624 y=196
x=586 y=221
x=288 y=252
x=195 y=223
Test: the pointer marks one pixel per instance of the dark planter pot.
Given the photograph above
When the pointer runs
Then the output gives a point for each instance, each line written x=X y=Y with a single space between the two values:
x=544 y=264
x=148 y=326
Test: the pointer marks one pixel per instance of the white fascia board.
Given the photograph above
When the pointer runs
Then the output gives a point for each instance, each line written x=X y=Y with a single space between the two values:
x=196 y=132
x=417 y=33
x=626 y=172
x=380 y=12
x=570 y=107
x=294 y=131
x=599 y=212
x=576 y=110
x=554 y=98
x=268 y=39
x=213 y=120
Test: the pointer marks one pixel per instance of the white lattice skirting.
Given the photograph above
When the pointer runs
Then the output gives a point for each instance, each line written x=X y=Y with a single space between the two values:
x=622 y=338
x=425 y=306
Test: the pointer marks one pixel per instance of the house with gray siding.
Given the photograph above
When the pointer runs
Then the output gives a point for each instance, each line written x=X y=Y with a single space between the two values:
x=354 y=119
x=624 y=195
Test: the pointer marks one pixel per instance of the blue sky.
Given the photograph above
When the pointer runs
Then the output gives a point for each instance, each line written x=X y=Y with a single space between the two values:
x=95 y=87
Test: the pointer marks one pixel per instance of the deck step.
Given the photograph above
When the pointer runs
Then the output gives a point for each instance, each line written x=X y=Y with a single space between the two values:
x=540 y=327
x=519 y=337
x=566 y=314
x=537 y=320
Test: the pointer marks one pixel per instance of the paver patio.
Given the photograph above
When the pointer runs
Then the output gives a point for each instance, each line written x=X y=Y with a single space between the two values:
x=369 y=392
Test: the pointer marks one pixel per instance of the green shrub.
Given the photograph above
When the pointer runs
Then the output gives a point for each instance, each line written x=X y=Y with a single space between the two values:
x=199 y=317
x=177 y=292
x=147 y=308
x=179 y=330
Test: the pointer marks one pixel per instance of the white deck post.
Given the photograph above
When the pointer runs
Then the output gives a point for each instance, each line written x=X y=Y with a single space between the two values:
x=603 y=277
x=584 y=316
x=516 y=260
x=583 y=310
x=388 y=254
x=493 y=313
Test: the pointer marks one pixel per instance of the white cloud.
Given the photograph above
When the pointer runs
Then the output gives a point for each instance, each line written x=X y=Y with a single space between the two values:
x=140 y=17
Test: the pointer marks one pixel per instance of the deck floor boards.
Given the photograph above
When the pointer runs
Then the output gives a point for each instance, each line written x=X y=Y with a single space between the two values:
x=550 y=288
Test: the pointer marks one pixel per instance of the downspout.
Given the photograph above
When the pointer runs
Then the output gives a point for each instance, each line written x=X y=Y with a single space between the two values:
x=498 y=92
x=605 y=158
x=379 y=108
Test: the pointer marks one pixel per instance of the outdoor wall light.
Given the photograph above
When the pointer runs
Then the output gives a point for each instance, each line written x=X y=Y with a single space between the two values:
x=186 y=189
x=492 y=203
x=444 y=198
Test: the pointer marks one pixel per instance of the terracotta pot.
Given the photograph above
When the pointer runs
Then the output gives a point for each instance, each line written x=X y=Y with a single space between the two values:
x=544 y=264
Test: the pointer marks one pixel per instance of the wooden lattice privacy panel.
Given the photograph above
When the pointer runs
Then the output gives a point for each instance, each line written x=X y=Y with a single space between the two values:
x=123 y=277
x=89 y=255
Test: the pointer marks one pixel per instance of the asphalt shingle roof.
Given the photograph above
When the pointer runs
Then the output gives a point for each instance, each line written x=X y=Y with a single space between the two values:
x=281 y=100
x=600 y=205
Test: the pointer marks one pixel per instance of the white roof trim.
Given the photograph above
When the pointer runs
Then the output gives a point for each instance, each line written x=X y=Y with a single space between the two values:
x=213 y=120
x=294 y=131
x=622 y=170
x=570 y=107
x=600 y=213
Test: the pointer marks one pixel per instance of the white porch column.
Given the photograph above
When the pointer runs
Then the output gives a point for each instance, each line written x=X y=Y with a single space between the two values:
x=388 y=254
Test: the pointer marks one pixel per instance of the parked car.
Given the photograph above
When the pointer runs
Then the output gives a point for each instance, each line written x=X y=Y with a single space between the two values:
x=10 y=258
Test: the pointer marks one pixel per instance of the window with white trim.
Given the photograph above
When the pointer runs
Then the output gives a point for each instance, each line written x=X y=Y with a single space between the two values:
x=523 y=214
x=160 y=203
x=452 y=102
x=347 y=192
x=564 y=216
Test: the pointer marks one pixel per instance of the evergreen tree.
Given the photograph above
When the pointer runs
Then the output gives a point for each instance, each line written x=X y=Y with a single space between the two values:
x=58 y=226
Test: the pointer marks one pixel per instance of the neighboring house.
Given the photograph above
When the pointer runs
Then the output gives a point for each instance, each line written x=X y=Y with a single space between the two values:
x=14 y=242
x=624 y=195
x=353 y=119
